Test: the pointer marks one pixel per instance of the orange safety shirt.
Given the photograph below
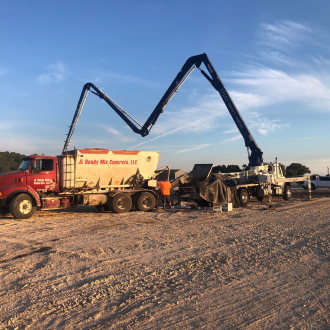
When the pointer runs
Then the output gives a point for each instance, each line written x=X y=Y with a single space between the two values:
x=165 y=187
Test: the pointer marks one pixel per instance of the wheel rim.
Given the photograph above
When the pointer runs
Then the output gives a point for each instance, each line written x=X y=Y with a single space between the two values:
x=25 y=206
x=288 y=192
x=244 y=197
x=122 y=203
x=147 y=202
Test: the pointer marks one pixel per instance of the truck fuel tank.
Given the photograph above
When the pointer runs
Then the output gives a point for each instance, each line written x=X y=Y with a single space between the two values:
x=92 y=199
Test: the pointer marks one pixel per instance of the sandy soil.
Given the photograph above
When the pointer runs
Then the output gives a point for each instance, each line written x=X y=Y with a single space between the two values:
x=253 y=268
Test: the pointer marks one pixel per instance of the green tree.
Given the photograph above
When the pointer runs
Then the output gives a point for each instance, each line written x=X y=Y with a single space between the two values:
x=9 y=161
x=226 y=169
x=245 y=167
x=219 y=168
x=296 y=169
x=233 y=168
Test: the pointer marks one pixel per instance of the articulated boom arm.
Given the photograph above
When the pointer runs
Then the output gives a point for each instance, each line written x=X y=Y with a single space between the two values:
x=193 y=62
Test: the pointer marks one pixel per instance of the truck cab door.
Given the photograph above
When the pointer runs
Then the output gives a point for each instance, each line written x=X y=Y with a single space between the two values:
x=42 y=175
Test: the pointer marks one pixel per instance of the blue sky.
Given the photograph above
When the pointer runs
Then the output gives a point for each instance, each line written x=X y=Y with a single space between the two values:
x=272 y=56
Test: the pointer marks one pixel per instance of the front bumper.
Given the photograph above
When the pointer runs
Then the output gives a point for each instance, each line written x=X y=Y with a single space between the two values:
x=2 y=201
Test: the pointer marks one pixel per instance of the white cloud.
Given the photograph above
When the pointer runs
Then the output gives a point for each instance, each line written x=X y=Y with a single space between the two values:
x=231 y=130
x=321 y=60
x=119 y=136
x=195 y=148
x=284 y=34
x=201 y=118
x=156 y=138
x=55 y=73
x=276 y=86
x=264 y=125
x=275 y=56
x=255 y=121
x=244 y=101
x=237 y=137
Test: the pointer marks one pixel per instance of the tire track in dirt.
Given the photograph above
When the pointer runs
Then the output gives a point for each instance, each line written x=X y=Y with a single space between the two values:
x=256 y=310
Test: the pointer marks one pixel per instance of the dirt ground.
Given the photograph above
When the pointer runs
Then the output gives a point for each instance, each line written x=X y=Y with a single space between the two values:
x=252 y=268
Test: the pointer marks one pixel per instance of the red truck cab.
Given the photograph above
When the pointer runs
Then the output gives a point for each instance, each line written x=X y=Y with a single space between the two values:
x=20 y=190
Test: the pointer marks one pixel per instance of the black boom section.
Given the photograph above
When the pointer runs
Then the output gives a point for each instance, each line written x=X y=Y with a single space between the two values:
x=190 y=63
x=193 y=62
x=255 y=159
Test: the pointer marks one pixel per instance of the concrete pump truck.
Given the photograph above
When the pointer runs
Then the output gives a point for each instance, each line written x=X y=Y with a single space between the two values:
x=117 y=180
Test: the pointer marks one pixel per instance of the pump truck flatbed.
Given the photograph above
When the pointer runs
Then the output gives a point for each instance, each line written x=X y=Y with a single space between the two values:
x=270 y=182
x=108 y=179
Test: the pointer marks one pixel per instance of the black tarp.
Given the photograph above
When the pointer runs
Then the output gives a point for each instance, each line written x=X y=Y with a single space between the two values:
x=219 y=188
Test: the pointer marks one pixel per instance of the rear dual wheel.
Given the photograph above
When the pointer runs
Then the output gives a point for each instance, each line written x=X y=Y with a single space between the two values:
x=121 y=203
x=145 y=201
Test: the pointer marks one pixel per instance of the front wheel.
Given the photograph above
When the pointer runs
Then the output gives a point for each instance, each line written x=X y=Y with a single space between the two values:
x=145 y=201
x=287 y=193
x=21 y=207
x=121 y=203
x=313 y=186
x=243 y=197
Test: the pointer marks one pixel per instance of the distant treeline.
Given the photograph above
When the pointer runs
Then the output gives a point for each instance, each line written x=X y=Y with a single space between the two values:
x=227 y=169
x=10 y=161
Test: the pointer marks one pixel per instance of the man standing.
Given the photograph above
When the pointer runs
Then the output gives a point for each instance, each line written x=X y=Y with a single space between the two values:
x=165 y=191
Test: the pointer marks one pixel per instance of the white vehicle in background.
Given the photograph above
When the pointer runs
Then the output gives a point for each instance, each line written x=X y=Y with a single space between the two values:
x=318 y=182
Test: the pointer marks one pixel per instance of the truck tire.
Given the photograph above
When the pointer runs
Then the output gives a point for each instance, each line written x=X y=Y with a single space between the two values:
x=287 y=192
x=121 y=203
x=21 y=207
x=313 y=186
x=145 y=201
x=5 y=210
x=243 y=196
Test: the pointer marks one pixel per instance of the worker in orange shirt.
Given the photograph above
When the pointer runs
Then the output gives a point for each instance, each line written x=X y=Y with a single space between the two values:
x=165 y=191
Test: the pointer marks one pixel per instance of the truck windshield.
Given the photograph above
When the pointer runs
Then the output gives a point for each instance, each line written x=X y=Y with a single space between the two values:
x=25 y=165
